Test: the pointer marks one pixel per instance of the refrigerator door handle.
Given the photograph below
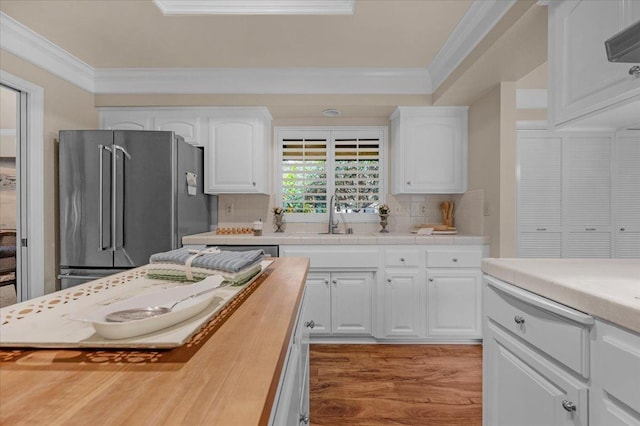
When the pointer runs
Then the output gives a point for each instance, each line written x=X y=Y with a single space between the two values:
x=114 y=191
x=100 y=195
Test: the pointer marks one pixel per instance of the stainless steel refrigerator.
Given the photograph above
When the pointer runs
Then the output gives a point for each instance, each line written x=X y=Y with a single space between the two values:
x=123 y=196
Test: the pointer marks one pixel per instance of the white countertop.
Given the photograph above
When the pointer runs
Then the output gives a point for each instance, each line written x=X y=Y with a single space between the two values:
x=304 y=238
x=605 y=288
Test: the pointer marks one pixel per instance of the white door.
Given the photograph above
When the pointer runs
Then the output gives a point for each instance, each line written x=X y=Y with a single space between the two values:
x=626 y=184
x=587 y=195
x=351 y=302
x=454 y=298
x=230 y=162
x=402 y=303
x=539 y=195
x=317 y=306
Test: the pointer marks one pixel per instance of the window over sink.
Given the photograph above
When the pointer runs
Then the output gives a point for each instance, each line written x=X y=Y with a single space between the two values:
x=314 y=163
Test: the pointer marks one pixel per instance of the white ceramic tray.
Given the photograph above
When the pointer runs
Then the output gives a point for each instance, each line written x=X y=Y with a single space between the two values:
x=66 y=319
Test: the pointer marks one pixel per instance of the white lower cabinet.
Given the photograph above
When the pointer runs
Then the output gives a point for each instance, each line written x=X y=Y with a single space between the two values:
x=339 y=303
x=403 y=303
x=454 y=302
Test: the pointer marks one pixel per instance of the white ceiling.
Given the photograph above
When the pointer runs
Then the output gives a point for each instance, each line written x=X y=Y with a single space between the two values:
x=135 y=34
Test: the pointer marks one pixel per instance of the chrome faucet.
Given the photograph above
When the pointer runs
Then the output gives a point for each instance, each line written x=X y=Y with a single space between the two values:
x=332 y=226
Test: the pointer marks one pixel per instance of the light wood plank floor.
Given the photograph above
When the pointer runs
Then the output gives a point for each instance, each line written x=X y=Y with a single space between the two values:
x=396 y=384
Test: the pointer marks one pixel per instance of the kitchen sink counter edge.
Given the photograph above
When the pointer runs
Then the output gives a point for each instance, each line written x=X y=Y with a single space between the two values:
x=605 y=288
x=211 y=238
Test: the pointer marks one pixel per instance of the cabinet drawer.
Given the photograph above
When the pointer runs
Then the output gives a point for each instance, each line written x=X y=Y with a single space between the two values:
x=454 y=258
x=332 y=257
x=550 y=327
x=401 y=257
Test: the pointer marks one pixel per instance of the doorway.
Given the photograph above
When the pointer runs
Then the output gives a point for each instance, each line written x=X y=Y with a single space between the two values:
x=10 y=194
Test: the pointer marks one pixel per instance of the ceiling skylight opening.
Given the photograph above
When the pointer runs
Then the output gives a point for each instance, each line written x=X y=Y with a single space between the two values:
x=256 y=7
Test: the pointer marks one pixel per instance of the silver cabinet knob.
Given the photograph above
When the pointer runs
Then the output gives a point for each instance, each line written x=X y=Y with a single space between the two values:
x=310 y=324
x=635 y=71
x=335 y=281
x=254 y=184
x=589 y=229
x=622 y=229
x=518 y=319
x=455 y=259
x=408 y=182
x=431 y=280
x=569 y=406
x=541 y=229
x=402 y=259
x=388 y=280
x=326 y=281
x=304 y=419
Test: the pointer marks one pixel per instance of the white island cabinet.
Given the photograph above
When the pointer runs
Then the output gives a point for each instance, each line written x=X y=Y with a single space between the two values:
x=576 y=362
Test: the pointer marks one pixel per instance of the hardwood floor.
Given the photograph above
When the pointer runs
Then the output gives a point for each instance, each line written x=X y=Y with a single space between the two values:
x=396 y=384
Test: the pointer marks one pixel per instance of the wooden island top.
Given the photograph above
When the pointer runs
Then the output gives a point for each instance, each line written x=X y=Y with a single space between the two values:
x=231 y=379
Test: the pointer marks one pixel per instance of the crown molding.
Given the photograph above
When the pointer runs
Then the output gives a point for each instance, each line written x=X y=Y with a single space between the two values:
x=472 y=28
x=263 y=81
x=531 y=99
x=31 y=46
x=256 y=7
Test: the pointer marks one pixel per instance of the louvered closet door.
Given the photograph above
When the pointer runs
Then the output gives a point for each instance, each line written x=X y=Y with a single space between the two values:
x=626 y=183
x=587 y=195
x=539 y=195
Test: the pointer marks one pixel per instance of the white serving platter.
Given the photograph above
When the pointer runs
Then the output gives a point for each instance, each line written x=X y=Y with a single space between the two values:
x=71 y=318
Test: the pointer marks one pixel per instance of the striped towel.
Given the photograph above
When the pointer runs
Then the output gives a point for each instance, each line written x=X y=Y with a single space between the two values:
x=178 y=273
x=230 y=261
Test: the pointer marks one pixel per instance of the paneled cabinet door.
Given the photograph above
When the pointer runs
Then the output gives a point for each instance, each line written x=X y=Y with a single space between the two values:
x=587 y=202
x=582 y=80
x=317 y=305
x=187 y=124
x=403 y=303
x=522 y=389
x=236 y=157
x=626 y=183
x=125 y=119
x=454 y=300
x=429 y=150
x=539 y=195
x=351 y=302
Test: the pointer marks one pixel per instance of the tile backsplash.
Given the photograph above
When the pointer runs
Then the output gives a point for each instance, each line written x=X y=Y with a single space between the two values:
x=240 y=210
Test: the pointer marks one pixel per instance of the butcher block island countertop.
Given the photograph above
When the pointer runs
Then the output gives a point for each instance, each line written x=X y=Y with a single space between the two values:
x=605 y=288
x=230 y=380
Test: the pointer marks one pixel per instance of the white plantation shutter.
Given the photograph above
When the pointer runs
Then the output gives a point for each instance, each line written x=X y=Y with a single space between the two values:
x=356 y=170
x=304 y=172
x=315 y=164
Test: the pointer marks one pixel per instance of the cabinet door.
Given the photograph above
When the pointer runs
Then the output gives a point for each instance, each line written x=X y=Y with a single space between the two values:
x=454 y=298
x=317 y=304
x=521 y=388
x=539 y=195
x=626 y=184
x=582 y=80
x=187 y=124
x=402 y=303
x=237 y=156
x=587 y=195
x=126 y=119
x=351 y=302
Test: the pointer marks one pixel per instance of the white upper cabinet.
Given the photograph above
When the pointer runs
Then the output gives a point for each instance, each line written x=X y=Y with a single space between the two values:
x=429 y=150
x=236 y=140
x=237 y=155
x=582 y=81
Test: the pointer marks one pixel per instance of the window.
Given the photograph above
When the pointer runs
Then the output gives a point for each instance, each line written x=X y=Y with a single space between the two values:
x=315 y=164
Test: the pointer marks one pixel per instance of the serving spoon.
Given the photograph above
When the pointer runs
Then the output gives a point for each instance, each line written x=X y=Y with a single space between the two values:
x=149 y=311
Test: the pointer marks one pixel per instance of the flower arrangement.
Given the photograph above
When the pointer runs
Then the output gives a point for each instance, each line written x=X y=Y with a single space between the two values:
x=278 y=214
x=384 y=210
x=278 y=211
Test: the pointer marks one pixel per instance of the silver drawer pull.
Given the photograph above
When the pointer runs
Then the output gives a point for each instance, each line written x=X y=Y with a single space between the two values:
x=388 y=280
x=589 y=229
x=635 y=71
x=569 y=406
x=310 y=324
x=402 y=259
x=335 y=281
x=519 y=320
x=304 y=418
x=455 y=259
x=541 y=229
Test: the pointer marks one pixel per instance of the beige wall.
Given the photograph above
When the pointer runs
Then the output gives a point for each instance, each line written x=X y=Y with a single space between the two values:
x=484 y=160
x=65 y=107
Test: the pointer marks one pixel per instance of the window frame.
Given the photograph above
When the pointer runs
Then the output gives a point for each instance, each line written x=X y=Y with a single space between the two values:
x=324 y=217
